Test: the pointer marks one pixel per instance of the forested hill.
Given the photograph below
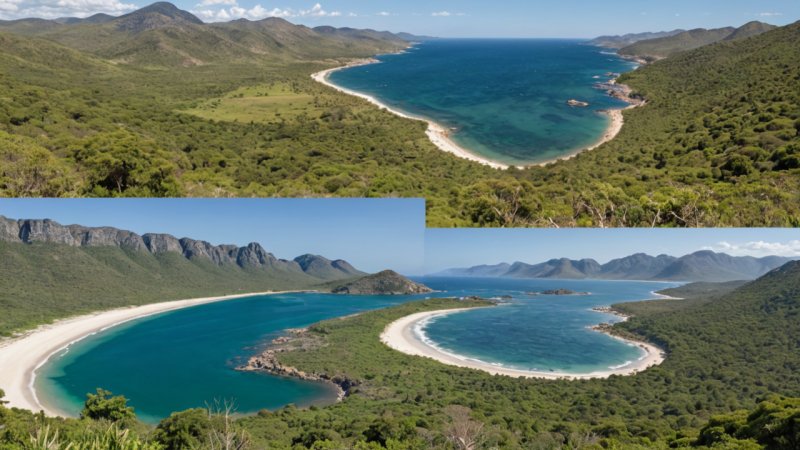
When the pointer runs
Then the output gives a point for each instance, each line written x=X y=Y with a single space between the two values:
x=163 y=35
x=662 y=47
x=625 y=40
x=716 y=144
x=731 y=360
x=52 y=271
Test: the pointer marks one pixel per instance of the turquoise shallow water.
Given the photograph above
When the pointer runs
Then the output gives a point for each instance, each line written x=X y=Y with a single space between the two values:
x=539 y=332
x=186 y=358
x=505 y=99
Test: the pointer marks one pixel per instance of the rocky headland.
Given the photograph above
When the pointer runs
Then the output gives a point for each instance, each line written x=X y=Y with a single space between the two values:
x=300 y=339
x=387 y=282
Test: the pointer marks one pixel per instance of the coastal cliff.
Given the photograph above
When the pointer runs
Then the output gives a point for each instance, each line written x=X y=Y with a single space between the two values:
x=251 y=256
x=387 y=282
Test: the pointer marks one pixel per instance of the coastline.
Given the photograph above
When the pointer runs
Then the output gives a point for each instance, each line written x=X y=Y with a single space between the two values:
x=440 y=136
x=22 y=356
x=400 y=335
x=437 y=134
x=616 y=116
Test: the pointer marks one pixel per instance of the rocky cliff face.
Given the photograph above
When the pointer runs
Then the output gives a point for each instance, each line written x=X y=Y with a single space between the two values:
x=252 y=256
x=387 y=282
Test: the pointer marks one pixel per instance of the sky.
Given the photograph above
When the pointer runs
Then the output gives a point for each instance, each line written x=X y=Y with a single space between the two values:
x=451 y=248
x=372 y=235
x=456 y=18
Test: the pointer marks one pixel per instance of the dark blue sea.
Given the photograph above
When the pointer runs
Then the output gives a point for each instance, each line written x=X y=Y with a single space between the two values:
x=505 y=99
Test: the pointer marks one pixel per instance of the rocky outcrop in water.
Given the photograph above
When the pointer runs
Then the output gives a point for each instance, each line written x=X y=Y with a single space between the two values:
x=32 y=231
x=562 y=292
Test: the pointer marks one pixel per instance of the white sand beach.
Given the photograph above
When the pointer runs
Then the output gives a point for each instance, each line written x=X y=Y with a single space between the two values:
x=436 y=133
x=21 y=356
x=440 y=136
x=399 y=335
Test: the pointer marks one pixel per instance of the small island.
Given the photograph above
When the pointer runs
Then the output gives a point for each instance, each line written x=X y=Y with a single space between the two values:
x=577 y=103
x=387 y=282
x=562 y=292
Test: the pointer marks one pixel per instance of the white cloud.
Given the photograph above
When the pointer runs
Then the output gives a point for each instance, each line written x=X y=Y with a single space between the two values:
x=770 y=14
x=257 y=12
x=51 y=9
x=383 y=13
x=317 y=11
x=9 y=5
x=217 y=2
x=758 y=248
x=442 y=14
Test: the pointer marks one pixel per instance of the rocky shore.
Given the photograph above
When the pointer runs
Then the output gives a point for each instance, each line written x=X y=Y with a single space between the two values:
x=296 y=339
x=610 y=310
x=621 y=92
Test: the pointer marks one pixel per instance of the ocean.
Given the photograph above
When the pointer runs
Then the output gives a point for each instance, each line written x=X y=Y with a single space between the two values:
x=186 y=358
x=504 y=99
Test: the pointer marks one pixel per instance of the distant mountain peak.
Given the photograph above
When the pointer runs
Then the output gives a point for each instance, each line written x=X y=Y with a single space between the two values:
x=322 y=267
x=666 y=46
x=157 y=15
x=387 y=282
x=703 y=265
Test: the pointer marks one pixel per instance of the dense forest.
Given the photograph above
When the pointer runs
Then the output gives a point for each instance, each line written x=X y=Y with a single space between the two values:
x=731 y=380
x=716 y=144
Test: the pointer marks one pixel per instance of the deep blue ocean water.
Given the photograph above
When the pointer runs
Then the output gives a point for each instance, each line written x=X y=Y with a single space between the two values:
x=186 y=358
x=505 y=99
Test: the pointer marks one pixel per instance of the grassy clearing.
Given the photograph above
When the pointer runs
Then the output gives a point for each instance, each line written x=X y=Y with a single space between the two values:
x=267 y=103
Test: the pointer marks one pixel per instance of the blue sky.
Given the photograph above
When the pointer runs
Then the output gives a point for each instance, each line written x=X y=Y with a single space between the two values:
x=457 y=18
x=449 y=248
x=371 y=234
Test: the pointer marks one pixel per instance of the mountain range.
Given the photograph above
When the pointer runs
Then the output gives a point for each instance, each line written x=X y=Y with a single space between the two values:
x=699 y=266
x=51 y=271
x=163 y=35
x=619 y=41
x=250 y=257
x=669 y=44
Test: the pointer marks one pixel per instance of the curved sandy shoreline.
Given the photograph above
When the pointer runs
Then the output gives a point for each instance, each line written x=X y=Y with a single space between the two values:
x=440 y=136
x=21 y=357
x=399 y=335
x=436 y=133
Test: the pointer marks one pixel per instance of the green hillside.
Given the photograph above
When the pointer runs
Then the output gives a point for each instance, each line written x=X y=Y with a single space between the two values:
x=666 y=46
x=95 y=278
x=663 y=47
x=163 y=35
x=712 y=367
x=715 y=145
x=731 y=380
